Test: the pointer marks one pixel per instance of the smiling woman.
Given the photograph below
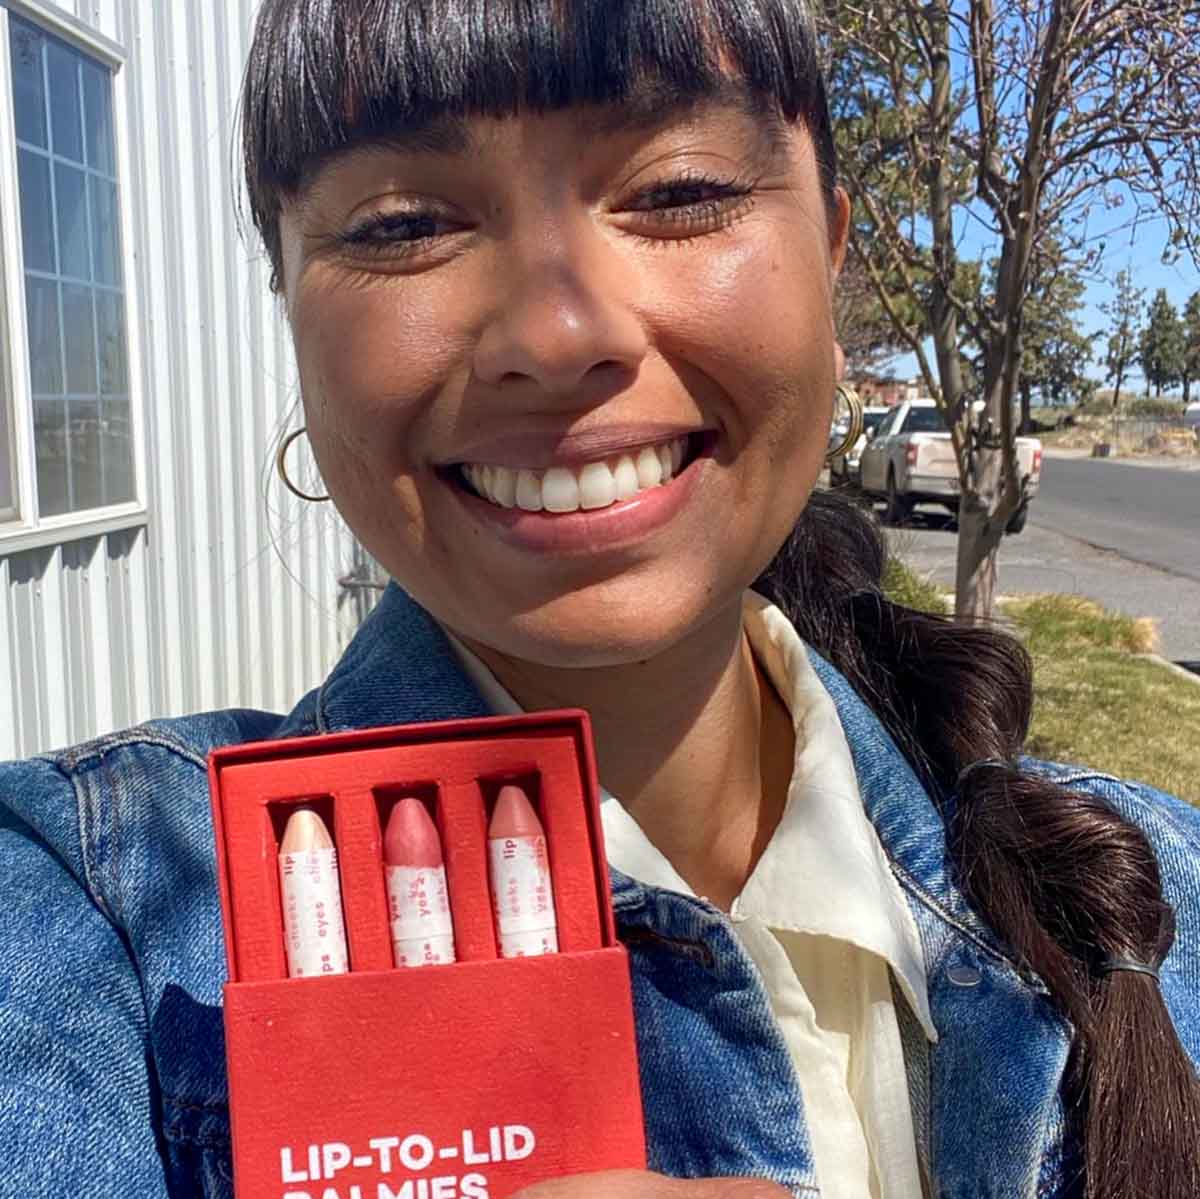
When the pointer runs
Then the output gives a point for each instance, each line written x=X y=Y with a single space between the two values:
x=559 y=278
x=517 y=302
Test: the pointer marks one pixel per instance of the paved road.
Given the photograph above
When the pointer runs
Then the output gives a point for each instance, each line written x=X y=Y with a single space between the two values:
x=1146 y=514
x=1148 y=518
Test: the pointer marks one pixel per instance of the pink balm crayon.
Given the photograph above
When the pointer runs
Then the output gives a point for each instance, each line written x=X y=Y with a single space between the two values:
x=522 y=894
x=313 y=930
x=418 y=903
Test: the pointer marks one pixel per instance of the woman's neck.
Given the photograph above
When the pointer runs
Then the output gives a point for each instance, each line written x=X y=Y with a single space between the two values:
x=695 y=743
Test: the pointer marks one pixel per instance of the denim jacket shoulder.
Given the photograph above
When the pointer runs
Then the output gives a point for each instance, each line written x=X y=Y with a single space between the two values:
x=113 y=960
x=112 y=1077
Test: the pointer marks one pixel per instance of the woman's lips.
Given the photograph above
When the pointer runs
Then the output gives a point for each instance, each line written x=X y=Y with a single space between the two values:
x=584 y=531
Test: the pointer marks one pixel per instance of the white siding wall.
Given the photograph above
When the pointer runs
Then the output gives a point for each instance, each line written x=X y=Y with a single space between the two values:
x=229 y=595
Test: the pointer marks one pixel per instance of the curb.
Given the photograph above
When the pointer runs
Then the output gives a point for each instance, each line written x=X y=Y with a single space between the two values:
x=1179 y=670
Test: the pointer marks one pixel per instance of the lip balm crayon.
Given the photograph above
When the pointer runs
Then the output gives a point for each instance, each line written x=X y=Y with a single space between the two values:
x=313 y=930
x=522 y=893
x=418 y=903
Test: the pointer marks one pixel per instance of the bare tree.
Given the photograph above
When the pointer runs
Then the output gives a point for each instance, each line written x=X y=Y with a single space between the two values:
x=1002 y=124
x=865 y=330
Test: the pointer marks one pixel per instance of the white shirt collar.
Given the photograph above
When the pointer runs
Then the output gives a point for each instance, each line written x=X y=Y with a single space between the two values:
x=824 y=871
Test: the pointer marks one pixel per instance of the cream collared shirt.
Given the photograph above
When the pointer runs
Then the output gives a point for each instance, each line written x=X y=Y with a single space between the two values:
x=825 y=922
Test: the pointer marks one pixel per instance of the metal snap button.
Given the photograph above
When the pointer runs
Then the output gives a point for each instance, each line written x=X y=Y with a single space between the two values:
x=964 y=976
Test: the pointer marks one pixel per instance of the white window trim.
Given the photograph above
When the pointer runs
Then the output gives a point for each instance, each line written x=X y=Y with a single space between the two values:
x=28 y=532
x=71 y=29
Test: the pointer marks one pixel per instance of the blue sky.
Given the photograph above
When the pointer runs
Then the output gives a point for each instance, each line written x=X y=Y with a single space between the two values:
x=1142 y=254
x=1140 y=250
x=1144 y=260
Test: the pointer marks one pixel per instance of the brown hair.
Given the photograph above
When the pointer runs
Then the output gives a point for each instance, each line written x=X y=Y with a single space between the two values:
x=1059 y=875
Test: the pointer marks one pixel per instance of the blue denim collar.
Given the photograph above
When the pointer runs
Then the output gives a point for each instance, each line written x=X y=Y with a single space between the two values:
x=400 y=669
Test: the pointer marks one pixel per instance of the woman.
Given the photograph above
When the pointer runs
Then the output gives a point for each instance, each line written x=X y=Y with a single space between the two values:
x=559 y=279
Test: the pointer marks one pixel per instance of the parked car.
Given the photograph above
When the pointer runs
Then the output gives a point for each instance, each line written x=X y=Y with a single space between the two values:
x=1191 y=415
x=844 y=468
x=910 y=460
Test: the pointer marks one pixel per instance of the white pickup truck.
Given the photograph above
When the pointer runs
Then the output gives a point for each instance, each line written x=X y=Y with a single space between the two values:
x=910 y=460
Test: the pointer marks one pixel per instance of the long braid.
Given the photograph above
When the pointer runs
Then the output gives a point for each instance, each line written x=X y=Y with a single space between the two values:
x=1060 y=875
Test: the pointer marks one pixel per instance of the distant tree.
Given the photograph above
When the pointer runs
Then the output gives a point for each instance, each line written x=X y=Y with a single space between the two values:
x=1015 y=120
x=1055 y=351
x=1161 y=347
x=865 y=330
x=1124 y=312
x=1191 y=345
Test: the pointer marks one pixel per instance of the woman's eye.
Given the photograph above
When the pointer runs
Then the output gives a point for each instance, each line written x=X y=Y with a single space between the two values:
x=395 y=232
x=690 y=206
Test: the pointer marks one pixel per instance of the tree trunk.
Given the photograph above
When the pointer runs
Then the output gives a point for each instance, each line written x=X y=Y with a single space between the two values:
x=976 y=576
x=1187 y=390
x=1026 y=405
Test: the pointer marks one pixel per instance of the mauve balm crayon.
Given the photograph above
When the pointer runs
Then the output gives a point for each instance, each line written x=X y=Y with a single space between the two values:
x=522 y=892
x=418 y=902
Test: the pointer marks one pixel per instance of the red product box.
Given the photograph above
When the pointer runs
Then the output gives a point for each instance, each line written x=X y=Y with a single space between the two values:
x=461 y=1081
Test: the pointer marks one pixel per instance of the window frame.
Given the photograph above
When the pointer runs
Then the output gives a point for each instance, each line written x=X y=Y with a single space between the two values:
x=30 y=530
x=885 y=426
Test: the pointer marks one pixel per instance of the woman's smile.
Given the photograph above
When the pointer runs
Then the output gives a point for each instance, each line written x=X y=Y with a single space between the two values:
x=592 y=507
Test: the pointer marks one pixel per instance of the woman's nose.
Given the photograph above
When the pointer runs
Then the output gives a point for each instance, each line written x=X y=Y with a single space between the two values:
x=556 y=321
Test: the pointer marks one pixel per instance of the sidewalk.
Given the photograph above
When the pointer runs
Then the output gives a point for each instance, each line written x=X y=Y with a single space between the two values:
x=1041 y=560
x=1159 y=461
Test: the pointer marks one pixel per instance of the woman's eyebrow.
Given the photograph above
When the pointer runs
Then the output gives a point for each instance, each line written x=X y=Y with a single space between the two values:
x=444 y=134
x=653 y=104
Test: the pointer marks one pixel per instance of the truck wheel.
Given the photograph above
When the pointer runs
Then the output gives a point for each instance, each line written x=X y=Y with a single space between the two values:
x=1016 y=522
x=899 y=507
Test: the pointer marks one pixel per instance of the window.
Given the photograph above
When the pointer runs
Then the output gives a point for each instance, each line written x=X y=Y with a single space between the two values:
x=9 y=505
x=885 y=426
x=77 y=409
x=925 y=420
x=872 y=420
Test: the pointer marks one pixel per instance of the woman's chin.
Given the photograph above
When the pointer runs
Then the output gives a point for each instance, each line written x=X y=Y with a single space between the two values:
x=596 y=629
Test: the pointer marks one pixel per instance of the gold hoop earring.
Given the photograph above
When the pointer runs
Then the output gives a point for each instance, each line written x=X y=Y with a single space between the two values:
x=281 y=468
x=847 y=407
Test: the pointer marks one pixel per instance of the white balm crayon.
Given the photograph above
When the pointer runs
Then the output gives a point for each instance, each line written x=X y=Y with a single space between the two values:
x=522 y=893
x=313 y=929
x=418 y=903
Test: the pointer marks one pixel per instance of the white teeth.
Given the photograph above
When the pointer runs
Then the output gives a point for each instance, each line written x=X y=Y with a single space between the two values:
x=591 y=487
x=597 y=487
x=529 y=491
x=560 y=490
x=649 y=468
x=626 y=479
x=504 y=487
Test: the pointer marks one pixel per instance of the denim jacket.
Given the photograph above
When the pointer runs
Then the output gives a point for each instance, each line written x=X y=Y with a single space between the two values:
x=112 y=1073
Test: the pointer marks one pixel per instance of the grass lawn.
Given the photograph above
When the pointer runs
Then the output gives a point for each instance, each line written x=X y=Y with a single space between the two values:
x=1095 y=701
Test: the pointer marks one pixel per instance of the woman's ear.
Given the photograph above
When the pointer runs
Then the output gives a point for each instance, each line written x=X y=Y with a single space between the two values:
x=839 y=229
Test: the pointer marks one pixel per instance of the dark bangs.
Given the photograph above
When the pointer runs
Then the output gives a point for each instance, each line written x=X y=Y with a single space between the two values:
x=326 y=74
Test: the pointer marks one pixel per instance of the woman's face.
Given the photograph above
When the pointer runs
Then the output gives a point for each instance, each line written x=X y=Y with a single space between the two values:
x=572 y=301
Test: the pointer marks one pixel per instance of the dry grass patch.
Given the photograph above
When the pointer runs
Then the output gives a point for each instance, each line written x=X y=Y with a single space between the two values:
x=904 y=586
x=1095 y=701
x=1097 y=704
